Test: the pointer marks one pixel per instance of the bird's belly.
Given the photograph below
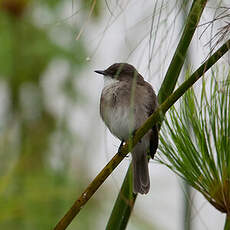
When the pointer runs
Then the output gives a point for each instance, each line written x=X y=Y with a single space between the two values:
x=120 y=121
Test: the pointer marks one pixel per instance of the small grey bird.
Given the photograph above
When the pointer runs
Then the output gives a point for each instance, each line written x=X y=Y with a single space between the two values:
x=127 y=100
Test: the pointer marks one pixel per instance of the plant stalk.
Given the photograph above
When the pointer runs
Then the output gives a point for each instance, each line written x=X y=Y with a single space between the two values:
x=227 y=222
x=122 y=209
x=178 y=59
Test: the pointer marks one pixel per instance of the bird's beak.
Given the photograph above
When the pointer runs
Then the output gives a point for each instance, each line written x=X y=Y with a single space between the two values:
x=100 y=72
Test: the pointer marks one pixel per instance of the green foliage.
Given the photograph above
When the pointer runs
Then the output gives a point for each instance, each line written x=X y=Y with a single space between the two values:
x=34 y=194
x=28 y=50
x=31 y=202
x=195 y=142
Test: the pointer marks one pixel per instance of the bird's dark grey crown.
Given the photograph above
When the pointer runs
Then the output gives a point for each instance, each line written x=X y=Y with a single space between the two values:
x=121 y=69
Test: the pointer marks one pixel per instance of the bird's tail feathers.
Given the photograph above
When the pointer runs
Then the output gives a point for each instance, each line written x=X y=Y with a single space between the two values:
x=141 y=181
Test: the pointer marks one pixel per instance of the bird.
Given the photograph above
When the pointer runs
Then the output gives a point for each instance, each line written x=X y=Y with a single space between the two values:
x=127 y=100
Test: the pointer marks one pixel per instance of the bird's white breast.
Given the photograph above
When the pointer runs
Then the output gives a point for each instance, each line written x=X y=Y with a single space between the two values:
x=119 y=117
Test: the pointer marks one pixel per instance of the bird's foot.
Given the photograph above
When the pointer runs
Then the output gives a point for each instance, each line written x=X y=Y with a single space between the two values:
x=120 y=149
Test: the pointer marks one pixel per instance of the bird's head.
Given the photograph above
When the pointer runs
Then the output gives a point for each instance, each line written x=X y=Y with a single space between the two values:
x=120 y=71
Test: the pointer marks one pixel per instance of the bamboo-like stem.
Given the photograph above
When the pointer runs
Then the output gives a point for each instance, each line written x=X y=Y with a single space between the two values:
x=186 y=200
x=152 y=120
x=178 y=59
x=227 y=222
x=122 y=209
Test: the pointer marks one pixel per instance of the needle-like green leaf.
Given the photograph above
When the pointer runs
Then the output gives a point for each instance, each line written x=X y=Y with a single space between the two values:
x=200 y=153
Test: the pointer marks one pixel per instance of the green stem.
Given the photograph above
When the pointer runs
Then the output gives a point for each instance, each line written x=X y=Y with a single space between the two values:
x=227 y=223
x=187 y=206
x=178 y=59
x=152 y=120
x=123 y=205
x=187 y=201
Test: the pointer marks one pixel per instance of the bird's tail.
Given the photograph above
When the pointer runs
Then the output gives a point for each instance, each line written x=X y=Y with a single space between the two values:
x=141 y=182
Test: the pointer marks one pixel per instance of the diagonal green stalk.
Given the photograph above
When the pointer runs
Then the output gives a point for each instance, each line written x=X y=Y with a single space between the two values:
x=186 y=188
x=168 y=84
x=152 y=120
x=123 y=208
x=227 y=223
x=178 y=59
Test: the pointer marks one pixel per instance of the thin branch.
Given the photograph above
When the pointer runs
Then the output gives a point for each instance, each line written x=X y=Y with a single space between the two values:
x=87 y=20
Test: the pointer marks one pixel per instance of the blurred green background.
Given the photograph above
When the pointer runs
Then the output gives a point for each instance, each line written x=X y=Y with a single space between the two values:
x=36 y=143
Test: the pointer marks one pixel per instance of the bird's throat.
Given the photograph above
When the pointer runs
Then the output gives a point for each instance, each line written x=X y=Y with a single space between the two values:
x=108 y=81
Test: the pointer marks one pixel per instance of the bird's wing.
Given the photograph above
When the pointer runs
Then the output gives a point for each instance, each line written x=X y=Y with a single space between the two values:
x=152 y=106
